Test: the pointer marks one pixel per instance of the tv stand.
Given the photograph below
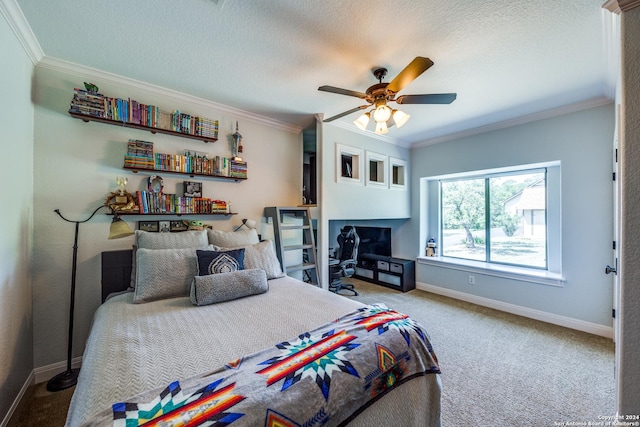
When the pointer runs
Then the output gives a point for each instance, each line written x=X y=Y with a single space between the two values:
x=395 y=273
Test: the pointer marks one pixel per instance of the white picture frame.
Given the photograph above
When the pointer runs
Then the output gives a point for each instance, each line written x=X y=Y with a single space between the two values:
x=398 y=173
x=377 y=171
x=349 y=165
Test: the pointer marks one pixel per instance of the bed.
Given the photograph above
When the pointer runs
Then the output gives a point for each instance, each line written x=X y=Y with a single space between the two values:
x=144 y=348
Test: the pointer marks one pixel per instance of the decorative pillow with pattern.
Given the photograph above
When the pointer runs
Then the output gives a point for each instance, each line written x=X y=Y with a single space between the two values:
x=216 y=262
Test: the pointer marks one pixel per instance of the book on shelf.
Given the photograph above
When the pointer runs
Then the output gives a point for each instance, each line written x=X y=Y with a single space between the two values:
x=140 y=155
x=150 y=202
x=131 y=111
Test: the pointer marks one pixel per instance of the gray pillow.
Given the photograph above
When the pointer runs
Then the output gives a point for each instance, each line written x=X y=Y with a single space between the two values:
x=221 y=287
x=261 y=255
x=233 y=239
x=164 y=273
x=178 y=240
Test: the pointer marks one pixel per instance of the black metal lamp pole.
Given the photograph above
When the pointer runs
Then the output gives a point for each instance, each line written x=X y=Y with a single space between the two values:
x=69 y=377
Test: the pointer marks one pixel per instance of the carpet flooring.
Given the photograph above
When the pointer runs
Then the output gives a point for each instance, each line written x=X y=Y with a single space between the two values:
x=498 y=369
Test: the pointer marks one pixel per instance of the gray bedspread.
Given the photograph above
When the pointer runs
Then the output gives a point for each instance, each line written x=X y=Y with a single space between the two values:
x=134 y=348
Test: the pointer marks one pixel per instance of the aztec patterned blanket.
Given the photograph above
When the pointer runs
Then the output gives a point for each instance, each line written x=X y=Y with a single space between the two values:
x=323 y=377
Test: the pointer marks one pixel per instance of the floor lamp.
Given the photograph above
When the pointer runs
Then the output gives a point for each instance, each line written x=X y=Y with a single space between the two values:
x=118 y=229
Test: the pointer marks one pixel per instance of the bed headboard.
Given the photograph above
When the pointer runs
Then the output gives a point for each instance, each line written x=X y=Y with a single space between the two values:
x=116 y=271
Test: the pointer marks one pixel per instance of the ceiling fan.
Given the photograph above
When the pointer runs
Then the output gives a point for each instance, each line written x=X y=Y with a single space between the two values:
x=380 y=94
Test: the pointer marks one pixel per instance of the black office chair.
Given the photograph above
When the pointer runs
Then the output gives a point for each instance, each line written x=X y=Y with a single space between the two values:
x=345 y=258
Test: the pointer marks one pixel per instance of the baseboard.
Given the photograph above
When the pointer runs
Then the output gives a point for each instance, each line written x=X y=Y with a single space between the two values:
x=45 y=373
x=18 y=399
x=555 y=319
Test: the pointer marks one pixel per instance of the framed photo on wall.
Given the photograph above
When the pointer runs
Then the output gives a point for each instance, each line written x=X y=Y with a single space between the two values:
x=153 y=226
x=192 y=189
x=178 y=226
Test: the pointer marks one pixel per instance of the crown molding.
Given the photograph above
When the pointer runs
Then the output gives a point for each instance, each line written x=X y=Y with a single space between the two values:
x=21 y=28
x=566 y=109
x=618 y=6
x=96 y=75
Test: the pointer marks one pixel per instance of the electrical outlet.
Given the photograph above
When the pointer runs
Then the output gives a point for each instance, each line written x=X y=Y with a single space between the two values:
x=472 y=280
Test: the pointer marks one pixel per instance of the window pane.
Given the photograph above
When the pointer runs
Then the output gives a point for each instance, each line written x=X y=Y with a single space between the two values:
x=463 y=219
x=518 y=219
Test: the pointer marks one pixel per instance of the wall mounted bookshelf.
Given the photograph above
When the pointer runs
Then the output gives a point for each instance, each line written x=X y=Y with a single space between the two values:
x=89 y=118
x=121 y=213
x=190 y=174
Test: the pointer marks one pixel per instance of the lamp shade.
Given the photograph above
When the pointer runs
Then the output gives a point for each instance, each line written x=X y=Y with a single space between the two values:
x=400 y=117
x=362 y=121
x=119 y=229
x=250 y=223
x=382 y=113
x=381 y=128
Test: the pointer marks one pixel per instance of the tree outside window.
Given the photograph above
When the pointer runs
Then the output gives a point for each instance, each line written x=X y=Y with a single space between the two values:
x=500 y=219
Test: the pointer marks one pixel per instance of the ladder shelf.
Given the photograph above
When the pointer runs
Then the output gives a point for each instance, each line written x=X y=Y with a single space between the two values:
x=294 y=240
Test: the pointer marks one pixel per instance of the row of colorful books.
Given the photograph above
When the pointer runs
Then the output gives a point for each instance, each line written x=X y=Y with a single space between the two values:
x=139 y=154
x=162 y=203
x=238 y=169
x=216 y=166
x=132 y=111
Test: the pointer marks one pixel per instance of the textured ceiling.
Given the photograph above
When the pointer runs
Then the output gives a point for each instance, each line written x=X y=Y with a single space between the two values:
x=504 y=58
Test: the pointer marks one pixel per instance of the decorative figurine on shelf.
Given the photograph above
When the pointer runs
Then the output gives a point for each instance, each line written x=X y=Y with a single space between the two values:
x=90 y=87
x=236 y=145
x=120 y=200
x=431 y=247
x=196 y=225
x=122 y=181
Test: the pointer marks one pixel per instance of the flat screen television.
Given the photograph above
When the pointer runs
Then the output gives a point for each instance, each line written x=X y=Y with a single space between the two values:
x=374 y=240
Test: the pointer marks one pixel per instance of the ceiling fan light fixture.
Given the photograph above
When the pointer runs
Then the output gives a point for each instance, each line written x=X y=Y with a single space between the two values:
x=382 y=113
x=400 y=117
x=381 y=128
x=362 y=121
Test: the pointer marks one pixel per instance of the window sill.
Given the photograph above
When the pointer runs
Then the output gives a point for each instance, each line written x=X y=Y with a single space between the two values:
x=497 y=270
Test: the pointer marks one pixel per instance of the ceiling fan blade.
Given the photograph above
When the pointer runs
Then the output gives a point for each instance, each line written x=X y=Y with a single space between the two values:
x=342 y=91
x=353 y=110
x=416 y=67
x=434 y=98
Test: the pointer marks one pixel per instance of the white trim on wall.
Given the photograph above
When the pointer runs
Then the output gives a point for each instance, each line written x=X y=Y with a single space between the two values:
x=567 y=322
x=21 y=28
x=17 y=400
x=99 y=76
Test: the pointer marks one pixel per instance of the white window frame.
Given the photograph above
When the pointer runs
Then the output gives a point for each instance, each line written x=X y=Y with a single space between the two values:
x=430 y=227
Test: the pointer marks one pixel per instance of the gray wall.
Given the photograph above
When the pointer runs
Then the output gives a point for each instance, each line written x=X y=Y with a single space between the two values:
x=341 y=201
x=582 y=142
x=16 y=173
